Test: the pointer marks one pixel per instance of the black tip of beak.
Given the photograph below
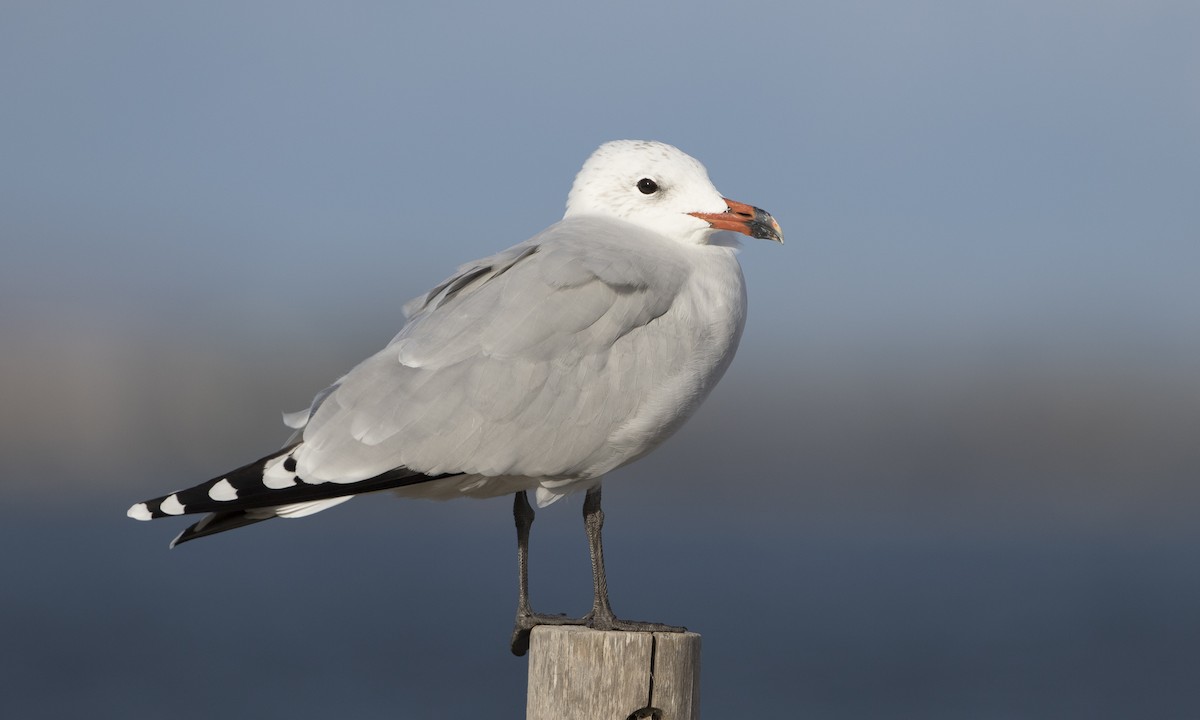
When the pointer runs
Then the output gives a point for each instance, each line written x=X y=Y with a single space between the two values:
x=764 y=227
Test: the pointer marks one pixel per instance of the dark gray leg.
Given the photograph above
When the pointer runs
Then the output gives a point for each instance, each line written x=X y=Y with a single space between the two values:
x=523 y=515
x=527 y=619
x=601 y=617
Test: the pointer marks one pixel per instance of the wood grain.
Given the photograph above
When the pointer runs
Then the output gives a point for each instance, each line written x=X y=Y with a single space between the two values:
x=580 y=674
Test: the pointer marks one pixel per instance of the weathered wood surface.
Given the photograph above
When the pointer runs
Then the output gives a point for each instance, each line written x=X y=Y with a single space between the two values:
x=581 y=674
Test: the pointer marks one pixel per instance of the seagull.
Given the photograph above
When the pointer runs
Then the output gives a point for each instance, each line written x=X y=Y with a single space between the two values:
x=541 y=368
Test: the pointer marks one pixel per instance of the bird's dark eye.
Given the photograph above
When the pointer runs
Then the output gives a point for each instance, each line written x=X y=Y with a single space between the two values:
x=647 y=186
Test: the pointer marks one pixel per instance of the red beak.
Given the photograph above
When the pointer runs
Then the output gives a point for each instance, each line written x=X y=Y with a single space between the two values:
x=744 y=219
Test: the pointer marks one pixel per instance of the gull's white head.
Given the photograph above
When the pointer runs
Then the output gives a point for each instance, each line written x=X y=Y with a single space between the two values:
x=661 y=188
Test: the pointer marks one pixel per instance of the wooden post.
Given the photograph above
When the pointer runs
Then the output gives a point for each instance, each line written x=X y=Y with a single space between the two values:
x=580 y=674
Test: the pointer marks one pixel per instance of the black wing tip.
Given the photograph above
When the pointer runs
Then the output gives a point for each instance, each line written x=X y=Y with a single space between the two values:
x=218 y=522
x=241 y=497
x=216 y=495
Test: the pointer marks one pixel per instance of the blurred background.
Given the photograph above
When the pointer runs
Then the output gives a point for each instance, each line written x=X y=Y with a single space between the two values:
x=952 y=472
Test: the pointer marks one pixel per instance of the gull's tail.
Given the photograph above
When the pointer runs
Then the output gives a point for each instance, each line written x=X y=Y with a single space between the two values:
x=266 y=488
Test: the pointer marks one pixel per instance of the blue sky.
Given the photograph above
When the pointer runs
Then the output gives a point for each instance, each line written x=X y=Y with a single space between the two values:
x=961 y=186
x=937 y=168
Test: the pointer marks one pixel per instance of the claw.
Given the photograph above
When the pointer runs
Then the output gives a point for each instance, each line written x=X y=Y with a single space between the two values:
x=526 y=622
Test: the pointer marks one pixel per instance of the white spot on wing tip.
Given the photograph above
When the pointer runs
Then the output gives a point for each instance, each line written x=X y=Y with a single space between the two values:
x=275 y=476
x=223 y=491
x=171 y=505
x=140 y=512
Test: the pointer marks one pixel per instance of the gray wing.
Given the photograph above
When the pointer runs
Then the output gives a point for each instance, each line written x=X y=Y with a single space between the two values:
x=527 y=363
